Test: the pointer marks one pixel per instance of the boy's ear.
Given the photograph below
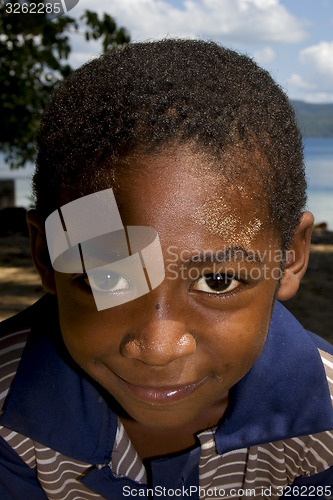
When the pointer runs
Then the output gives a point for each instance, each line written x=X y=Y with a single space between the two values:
x=297 y=258
x=39 y=250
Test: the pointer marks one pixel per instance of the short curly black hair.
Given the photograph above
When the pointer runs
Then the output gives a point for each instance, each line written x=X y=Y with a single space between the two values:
x=145 y=96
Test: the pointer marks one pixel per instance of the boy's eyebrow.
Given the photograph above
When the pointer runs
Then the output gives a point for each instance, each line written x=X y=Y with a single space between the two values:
x=229 y=254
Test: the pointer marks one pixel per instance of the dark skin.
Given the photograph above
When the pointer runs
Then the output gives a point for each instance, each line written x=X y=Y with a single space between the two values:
x=187 y=332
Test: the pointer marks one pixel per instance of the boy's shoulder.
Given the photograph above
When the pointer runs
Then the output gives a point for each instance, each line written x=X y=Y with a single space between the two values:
x=42 y=387
x=32 y=315
x=286 y=393
x=14 y=333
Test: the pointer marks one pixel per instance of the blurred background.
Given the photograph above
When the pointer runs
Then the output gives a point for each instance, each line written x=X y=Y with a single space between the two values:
x=292 y=39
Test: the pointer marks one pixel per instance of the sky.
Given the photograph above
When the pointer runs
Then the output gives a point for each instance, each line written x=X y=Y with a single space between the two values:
x=292 y=39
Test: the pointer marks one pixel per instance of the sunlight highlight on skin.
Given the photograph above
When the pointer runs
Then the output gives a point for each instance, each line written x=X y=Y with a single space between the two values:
x=217 y=217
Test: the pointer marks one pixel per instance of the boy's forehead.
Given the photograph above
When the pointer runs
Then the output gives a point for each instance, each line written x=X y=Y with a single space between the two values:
x=186 y=168
x=187 y=185
x=188 y=189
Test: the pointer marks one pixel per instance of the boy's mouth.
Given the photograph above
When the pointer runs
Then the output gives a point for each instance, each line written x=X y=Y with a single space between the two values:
x=166 y=394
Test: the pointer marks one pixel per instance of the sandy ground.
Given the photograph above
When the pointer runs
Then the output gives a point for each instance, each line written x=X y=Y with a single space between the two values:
x=313 y=305
x=20 y=285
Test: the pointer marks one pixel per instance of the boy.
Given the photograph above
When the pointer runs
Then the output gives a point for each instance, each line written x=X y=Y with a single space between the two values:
x=169 y=218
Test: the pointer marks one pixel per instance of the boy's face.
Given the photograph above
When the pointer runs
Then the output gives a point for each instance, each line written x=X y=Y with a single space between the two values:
x=171 y=355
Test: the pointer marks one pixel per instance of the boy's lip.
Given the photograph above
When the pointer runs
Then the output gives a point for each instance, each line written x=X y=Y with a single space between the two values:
x=164 y=394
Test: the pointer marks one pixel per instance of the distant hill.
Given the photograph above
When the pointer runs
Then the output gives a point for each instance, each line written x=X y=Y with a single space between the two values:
x=314 y=120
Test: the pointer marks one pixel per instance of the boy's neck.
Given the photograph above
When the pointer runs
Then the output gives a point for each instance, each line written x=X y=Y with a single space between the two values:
x=152 y=442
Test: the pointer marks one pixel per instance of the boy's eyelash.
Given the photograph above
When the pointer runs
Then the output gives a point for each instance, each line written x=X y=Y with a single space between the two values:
x=228 y=276
x=218 y=284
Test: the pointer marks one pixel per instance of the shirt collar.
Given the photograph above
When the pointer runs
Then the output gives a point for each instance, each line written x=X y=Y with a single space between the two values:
x=284 y=395
x=52 y=400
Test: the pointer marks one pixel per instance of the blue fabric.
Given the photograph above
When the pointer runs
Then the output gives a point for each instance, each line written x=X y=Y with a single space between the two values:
x=311 y=487
x=178 y=472
x=284 y=395
x=102 y=481
x=17 y=481
x=53 y=402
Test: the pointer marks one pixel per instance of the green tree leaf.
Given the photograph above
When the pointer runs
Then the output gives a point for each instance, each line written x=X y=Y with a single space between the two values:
x=34 y=55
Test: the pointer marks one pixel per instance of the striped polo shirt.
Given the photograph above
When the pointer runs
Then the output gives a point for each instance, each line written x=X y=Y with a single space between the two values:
x=61 y=440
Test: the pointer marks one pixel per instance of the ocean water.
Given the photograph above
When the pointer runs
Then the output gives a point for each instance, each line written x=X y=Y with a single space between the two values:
x=318 y=155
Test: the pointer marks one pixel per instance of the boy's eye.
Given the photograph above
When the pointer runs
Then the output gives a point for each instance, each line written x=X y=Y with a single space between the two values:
x=216 y=283
x=108 y=281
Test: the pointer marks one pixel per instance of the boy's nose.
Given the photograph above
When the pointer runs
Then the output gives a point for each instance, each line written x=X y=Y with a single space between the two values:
x=159 y=342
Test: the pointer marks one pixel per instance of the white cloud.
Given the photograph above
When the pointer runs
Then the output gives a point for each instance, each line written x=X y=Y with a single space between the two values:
x=264 y=56
x=251 y=21
x=318 y=97
x=76 y=58
x=299 y=82
x=315 y=82
x=319 y=58
x=309 y=91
